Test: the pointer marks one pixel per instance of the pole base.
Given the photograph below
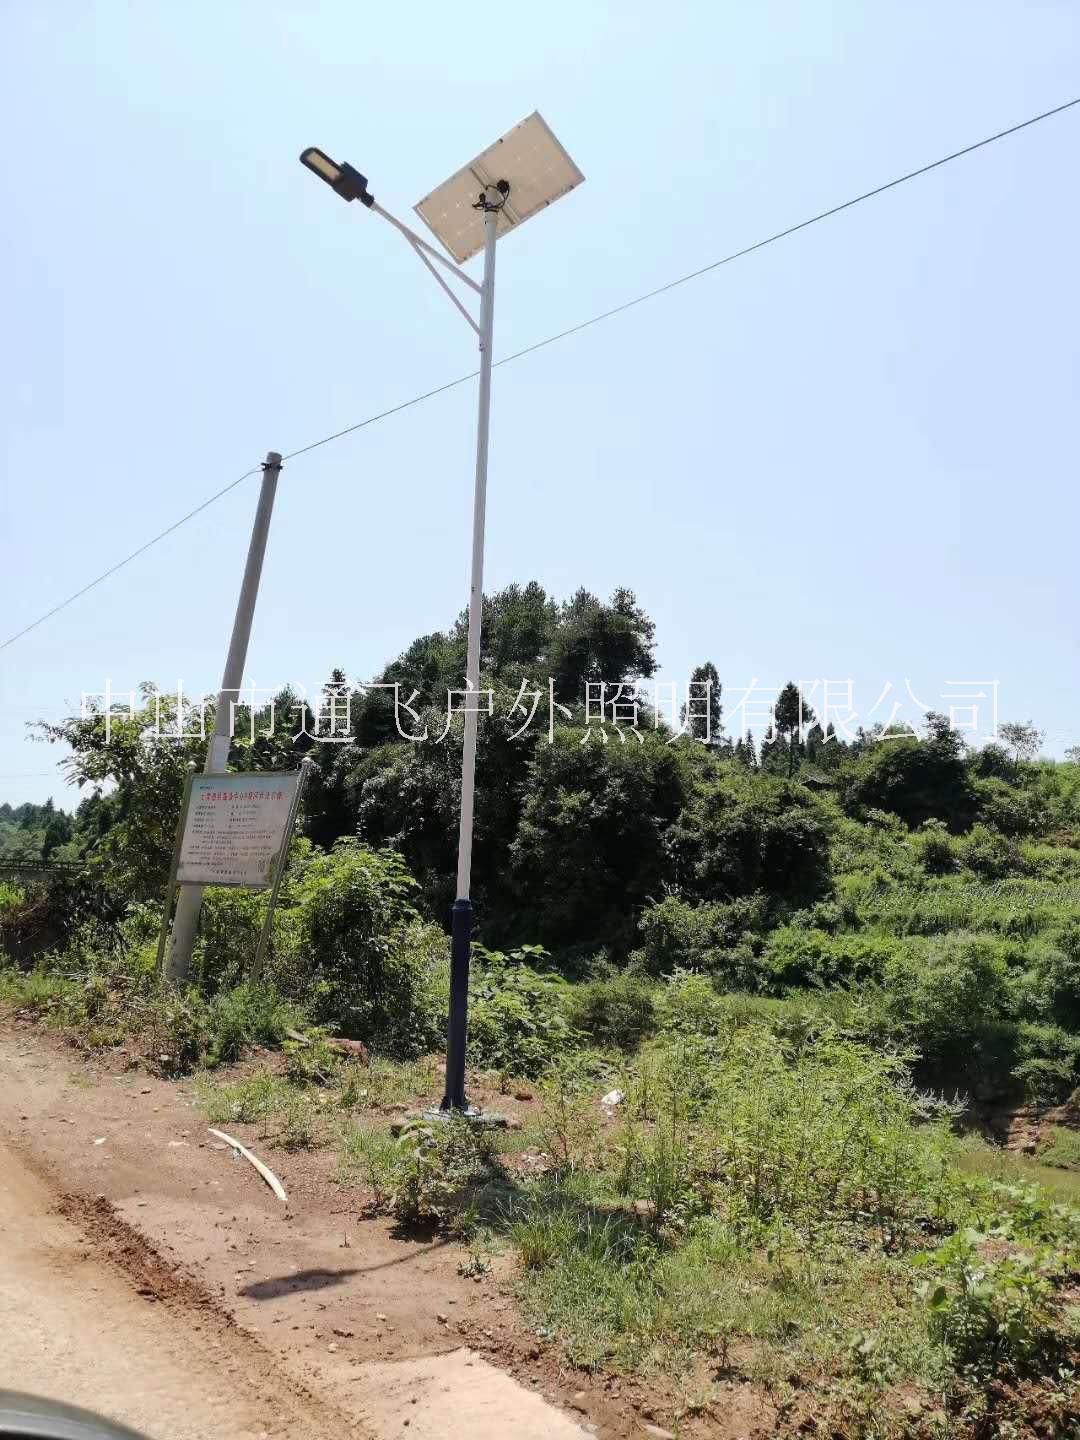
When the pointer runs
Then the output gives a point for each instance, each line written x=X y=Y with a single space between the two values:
x=445 y=1111
x=477 y=1119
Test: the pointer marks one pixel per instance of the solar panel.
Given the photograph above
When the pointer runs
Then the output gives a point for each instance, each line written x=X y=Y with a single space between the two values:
x=537 y=167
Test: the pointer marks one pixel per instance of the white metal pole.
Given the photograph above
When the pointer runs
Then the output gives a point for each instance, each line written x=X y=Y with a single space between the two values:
x=476 y=586
x=461 y=920
x=189 y=903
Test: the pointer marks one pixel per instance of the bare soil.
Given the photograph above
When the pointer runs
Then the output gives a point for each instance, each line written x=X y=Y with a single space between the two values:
x=252 y=1318
x=75 y=1327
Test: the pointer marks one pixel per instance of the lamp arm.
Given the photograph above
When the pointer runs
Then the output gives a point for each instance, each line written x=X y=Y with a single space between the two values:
x=422 y=244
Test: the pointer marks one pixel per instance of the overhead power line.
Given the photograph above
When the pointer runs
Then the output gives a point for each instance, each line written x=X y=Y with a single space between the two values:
x=133 y=556
x=551 y=340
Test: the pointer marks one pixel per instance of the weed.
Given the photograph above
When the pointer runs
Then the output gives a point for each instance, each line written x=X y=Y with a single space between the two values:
x=435 y=1173
x=1061 y=1149
x=568 y=1124
x=442 y=1164
x=284 y=1113
x=38 y=991
x=375 y=1156
x=988 y=1312
x=249 y=1015
x=618 y=1012
x=516 y=1018
x=312 y=1061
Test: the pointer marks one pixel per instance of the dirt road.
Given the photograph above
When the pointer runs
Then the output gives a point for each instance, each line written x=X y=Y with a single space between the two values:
x=74 y=1327
x=149 y=1275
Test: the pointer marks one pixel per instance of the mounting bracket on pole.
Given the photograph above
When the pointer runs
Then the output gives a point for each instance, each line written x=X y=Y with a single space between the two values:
x=492 y=199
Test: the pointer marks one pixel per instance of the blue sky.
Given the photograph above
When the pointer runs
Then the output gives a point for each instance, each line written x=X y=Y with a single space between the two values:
x=851 y=455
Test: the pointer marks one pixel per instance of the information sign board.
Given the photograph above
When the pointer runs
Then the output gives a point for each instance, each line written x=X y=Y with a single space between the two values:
x=235 y=828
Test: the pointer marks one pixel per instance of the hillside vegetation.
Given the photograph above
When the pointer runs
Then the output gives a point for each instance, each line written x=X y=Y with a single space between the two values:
x=805 y=970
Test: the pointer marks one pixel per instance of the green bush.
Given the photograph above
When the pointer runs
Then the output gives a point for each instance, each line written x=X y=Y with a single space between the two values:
x=751 y=833
x=1055 y=973
x=38 y=992
x=589 y=848
x=618 y=1012
x=1048 y=1062
x=229 y=927
x=179 y=1030
x=1061 y=1149
x=829 y=1130
x=991 y=1314
x=689 y=1004
x=713 y=937
x=1009 y=810
x=796 y=957
x=936 y=849
x=988 y=854
x=517 y=1016
x=119 y=999
x=11 y=896
x=245 y=1016
x=433 y=1172
x=365 y=965
x=918 y=780
x=1053 y=863
x=312 y=1060
x=956 y=999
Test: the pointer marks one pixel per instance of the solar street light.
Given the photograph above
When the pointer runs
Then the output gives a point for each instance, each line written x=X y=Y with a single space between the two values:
x=509 y=182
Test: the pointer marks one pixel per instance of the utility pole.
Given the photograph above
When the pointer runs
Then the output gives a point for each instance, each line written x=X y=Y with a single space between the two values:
x=189 y=903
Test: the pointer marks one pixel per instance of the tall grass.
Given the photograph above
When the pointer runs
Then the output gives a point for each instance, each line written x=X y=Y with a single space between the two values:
x=775 y=1195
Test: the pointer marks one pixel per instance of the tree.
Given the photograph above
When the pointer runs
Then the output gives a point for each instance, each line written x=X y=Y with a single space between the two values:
x=137 y=767
x=992 y=761
x=744 y=752
x=525 y=635
x=589 y=849
x=815 y=739
x=58 y=831
x=918 y=780
x=1072 y=754
x=744 y=833
x=790 y=714
x=768 y=750
x=1023 y=741
x=408 y=795
x=518 y=625
x=702 y=714
x=32 y=832
x=594 y=642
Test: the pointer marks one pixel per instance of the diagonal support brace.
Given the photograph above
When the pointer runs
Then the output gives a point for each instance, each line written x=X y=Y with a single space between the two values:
x=427 y=254
x=445 y=287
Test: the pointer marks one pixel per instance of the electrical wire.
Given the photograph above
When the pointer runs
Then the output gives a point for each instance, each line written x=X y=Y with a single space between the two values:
x=696 y=274
x=133 y=556
x=552 y=339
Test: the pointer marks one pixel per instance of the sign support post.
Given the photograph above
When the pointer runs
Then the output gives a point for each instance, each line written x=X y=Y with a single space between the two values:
x=279 y=871
x=166 y=909
x=189 y=904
